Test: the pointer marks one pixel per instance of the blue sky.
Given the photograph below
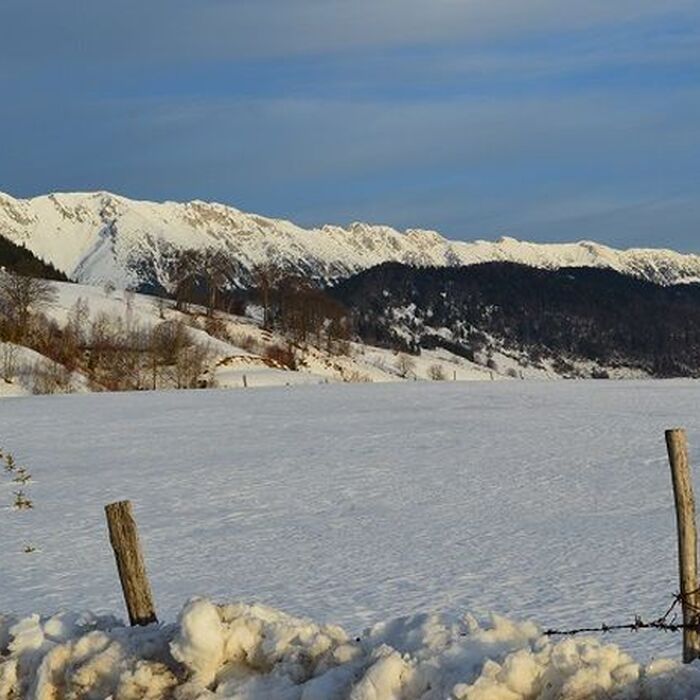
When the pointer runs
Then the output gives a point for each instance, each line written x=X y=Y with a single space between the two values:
x=541 y=119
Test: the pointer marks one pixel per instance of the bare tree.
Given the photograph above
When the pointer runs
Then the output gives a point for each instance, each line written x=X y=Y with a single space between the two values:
x=176 y=358
x=79 y=319
x=266 y=277
x=73 y=338
x=50 y=378
x=8 y=361
x=181 y=271
x=437 y=373
x=215 y=268
x=307 y=313
x=160 y=305
x=190 y=365
x=405 y=365
x=20 y=296
x=129 y=298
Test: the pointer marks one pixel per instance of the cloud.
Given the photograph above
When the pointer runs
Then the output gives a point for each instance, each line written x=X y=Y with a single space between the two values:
x=541 y=118
x=183 y=31
x=291 y=156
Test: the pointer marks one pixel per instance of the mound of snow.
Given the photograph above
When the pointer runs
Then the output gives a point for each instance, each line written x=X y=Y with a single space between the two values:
x=251 y=652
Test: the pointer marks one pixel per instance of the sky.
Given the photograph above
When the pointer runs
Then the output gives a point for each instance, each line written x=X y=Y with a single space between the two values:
x=546 y=120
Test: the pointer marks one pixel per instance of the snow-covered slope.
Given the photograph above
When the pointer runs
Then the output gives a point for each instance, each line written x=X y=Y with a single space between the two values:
x=237 y=354
x=99 y=237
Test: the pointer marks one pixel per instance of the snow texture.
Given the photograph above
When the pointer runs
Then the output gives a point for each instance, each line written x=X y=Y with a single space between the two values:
x=252 y=652
x=358 y=503
x=99 y=237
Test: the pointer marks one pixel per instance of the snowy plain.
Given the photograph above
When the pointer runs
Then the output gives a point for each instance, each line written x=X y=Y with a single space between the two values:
x=356 y=503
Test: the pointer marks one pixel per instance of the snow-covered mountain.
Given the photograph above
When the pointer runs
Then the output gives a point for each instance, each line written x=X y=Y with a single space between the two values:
x=100 y=237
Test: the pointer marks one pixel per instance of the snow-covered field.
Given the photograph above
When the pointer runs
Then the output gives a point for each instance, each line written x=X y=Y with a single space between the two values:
x=357 y=504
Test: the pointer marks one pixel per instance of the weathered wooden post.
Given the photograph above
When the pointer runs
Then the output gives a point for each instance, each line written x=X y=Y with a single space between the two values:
x=124 y=538
x=677 y=444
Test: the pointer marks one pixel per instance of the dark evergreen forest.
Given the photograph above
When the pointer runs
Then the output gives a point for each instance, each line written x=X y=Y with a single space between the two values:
x=587 y=313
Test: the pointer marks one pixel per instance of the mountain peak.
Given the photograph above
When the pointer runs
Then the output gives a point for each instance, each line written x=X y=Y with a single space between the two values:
x=68 y=229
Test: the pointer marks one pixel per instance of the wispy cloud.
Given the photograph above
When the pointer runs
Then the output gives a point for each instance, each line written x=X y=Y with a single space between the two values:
x=539 y=118
x=187 y=30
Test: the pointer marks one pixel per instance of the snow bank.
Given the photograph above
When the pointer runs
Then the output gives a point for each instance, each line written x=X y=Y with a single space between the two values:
x=251 y=652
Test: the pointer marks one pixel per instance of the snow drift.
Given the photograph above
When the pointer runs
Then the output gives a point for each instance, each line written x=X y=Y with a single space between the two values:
x=254 y=652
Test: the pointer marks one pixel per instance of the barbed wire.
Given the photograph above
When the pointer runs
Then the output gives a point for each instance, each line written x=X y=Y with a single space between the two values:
x=667 y=622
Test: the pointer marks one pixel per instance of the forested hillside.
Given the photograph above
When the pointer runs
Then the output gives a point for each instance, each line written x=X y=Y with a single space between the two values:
x=19 y=259
x=570 y=314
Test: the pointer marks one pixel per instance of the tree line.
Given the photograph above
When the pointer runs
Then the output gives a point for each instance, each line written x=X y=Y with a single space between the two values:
x=111 y=350
x=291 y=303
x=115 y=352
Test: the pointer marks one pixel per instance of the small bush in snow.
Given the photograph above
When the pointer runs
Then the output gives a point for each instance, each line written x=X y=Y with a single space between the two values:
x=282 y=355
x=405 y=365
x=245 y=341
x=19 y=475
x=22 y=502
x=356 y=377
x=437 y=373
x=216 y=327
x=8 y=361
x=50 y=378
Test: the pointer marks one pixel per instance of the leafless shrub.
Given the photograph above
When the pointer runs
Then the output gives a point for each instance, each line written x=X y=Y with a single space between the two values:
x=217 y=328
x=356 y=377
x=436 y=372
x=339 y=346
x=20 y=297
x=49 y=377
x=8 y=361
x=405 y=365
x=161 y=306
x=246 y=341
x=281 y=355
x=190 y=365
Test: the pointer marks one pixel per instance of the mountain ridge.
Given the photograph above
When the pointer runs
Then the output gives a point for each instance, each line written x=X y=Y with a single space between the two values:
x=99 y=237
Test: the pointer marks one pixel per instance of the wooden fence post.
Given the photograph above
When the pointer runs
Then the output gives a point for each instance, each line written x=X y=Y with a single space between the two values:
x=677 y=445
x=124 y=538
